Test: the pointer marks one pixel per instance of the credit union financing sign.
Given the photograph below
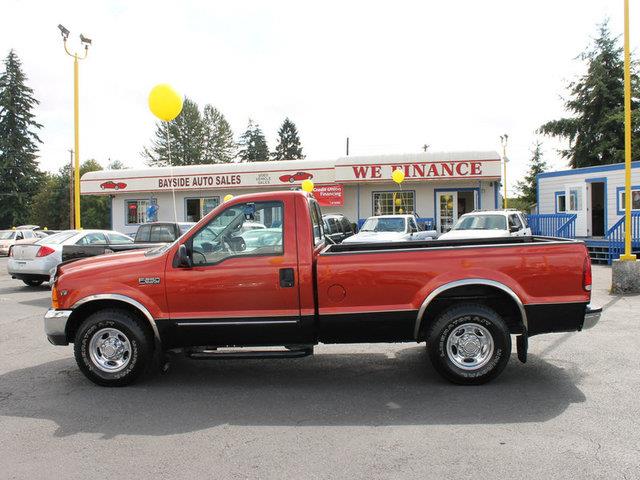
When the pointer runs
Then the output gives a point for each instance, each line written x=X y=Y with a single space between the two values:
x=329 y=195
x=435 y=170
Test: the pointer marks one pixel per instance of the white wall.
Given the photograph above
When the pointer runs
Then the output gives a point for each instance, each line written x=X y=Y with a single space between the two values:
x=424 y=199
x=614 y=179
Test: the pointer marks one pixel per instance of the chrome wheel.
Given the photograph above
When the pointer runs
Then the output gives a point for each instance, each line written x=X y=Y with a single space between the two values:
x=110 y=350
x=470 y=346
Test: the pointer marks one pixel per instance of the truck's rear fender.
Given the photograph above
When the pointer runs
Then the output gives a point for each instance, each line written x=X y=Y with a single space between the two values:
x=92 y=303
x=492 y=293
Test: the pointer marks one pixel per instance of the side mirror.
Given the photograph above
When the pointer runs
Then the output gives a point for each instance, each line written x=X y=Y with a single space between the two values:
x=513 y=228
x=182 y=258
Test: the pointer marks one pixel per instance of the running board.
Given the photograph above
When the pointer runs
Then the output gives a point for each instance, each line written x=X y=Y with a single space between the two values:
x=248 y=354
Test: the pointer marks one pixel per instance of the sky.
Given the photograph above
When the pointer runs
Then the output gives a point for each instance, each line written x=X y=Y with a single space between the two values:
x=391 y=76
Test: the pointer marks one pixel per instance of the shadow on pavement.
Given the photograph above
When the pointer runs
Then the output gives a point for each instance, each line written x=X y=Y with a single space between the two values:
x=326 y=389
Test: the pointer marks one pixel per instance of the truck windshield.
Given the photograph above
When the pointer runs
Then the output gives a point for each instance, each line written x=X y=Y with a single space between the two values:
x=481 y=222
x=383 y=225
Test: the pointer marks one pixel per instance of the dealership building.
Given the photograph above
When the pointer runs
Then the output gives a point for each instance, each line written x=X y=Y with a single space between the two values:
x=438 y=187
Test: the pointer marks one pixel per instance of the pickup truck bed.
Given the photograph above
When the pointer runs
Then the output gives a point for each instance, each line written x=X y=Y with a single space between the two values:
x=283 y=286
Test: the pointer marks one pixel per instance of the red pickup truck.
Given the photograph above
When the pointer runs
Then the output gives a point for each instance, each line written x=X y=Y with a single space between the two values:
x=223 y=291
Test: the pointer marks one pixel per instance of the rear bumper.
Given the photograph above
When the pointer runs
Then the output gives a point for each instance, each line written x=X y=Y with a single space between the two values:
x=55 y=326
x=591 y=316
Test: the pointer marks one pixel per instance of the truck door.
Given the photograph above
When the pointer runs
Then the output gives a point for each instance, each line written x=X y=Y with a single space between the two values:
x=242 y=288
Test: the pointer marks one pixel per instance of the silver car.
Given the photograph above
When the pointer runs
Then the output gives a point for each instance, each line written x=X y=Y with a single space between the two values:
x=34 y=263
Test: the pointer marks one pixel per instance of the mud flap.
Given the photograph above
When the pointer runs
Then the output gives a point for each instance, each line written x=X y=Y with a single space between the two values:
x=522 y=345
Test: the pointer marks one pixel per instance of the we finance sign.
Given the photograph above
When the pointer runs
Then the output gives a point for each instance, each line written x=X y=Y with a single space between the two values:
x=436 y=170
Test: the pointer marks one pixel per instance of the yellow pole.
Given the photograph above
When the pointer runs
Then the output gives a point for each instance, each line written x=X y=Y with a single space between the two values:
x=77 y=143
x=505 y=180
x=627 y=140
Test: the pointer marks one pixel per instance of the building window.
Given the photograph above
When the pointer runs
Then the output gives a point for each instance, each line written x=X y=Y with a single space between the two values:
x=561 y=202
x=635 y=199
x=392 y=203
x=136 y=211
x=199 y=207
x=575 y=200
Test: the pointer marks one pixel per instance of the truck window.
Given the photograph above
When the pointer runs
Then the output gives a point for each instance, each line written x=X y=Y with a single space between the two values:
x=316 y=223
x=224 y=237
x=162 y=233
x=142 y=235
x=514 y=221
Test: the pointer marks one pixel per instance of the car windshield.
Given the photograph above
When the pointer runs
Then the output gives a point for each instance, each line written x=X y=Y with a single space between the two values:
x=382 y=224
x=7 y=235
x=481 y=222
x=57 y=238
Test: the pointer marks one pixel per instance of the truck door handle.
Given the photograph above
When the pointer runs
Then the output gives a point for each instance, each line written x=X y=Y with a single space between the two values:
x=287 y=278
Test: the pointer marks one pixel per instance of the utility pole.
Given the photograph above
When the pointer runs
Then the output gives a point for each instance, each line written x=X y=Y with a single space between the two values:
x=347 y=146
x=503 y=139
x=425 y=147
x=71 y=224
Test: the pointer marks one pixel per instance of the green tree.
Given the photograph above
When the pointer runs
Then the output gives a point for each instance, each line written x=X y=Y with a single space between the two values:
x=116 y=165
x=253 y=145
x=186 y=139
x=596 y=100
x=19 y=174
x=528 y=186
x=288 y=147
x=50 y=206
x=219 y=146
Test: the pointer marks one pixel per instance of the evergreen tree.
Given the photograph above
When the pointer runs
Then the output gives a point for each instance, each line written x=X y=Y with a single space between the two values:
x=219 y=146
x=186 y=139
x=253 y=145
x=288 y=147
x=19 y=174
x=528 y=187
x=596 y=128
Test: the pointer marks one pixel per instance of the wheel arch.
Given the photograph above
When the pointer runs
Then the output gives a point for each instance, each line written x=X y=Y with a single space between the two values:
x=492 y=293
x=88 y=305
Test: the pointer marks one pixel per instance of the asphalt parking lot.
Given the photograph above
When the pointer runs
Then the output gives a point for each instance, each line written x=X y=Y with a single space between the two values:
x=354 y=411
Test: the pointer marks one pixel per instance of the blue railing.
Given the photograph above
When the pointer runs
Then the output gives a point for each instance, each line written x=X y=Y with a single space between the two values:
x=615 y=235
x=553 y=224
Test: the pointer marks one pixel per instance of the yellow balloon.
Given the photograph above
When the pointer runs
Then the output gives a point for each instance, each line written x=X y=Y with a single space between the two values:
x=398 y=201
x=164 y=102
x=227 y=197
x=398 y=176
x=307 y=186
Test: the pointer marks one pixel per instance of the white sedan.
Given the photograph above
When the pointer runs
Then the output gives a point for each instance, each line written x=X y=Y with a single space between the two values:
x=33 y=263
x=489 y=224
x=390 y=228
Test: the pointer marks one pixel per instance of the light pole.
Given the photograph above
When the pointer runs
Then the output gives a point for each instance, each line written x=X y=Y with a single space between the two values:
x=71 y=190
x=503 y=140
x=628 y=256
x=86 y=42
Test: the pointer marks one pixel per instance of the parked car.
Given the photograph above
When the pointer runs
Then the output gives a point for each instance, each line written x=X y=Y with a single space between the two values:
x=159 y=232
x=296 y=177
x=489 y=224
x=33 y=263
x=465 y=298
x=390 y=228
x=10 y=237
x=337 y=227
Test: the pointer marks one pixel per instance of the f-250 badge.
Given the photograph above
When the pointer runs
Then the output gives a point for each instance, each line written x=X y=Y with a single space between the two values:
x=148 y=280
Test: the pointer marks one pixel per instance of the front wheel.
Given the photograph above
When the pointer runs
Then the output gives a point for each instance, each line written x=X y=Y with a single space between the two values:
x=469 y=344
x=112 y=348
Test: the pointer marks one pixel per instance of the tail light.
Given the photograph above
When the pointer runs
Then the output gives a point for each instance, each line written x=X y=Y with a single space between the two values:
x=44 y=251
x=586 y=274
x=55 y=300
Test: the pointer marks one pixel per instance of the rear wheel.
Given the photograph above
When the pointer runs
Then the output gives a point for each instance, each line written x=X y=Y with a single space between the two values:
x=112 y=348
x=469 y=344
x=33 y=283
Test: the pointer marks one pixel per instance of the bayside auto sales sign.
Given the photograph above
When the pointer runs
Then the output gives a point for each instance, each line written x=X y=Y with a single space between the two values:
x=458 y=169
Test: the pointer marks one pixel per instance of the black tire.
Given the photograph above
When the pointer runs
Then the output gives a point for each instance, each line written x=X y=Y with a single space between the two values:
x=33 y=283
x=140 y=357
x=445 y=326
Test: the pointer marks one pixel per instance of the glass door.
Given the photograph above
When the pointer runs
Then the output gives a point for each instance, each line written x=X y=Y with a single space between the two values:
x=447 y=210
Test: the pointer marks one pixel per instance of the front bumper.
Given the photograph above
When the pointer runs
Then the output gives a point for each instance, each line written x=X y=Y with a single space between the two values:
x=55 y=326
x=591 y=316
